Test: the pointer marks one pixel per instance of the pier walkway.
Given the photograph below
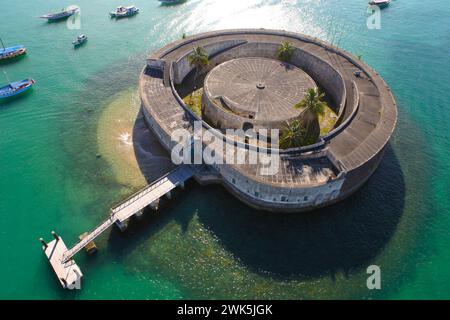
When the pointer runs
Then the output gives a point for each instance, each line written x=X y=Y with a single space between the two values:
x=134 y=205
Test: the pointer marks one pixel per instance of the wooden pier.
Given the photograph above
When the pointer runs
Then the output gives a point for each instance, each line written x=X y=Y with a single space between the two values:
x=60 y=257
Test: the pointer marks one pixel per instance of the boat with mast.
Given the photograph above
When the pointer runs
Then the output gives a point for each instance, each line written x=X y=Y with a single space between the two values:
x=15 y=88
x=11 y=52
x=63 y=14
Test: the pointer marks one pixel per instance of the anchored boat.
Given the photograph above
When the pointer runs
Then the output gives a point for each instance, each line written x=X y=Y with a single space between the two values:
x=63 y=14
x=122 y=11
x=79 y=40
x=15 y=88
x=168 y=2
x=380 y=3
x=11 y=52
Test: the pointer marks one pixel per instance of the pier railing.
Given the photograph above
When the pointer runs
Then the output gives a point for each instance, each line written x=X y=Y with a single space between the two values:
x=119 y=212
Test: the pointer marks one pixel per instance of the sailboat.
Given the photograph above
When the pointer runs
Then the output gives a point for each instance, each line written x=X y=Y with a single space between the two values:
x=63 y=14
x=11 y=52
x=15 y=88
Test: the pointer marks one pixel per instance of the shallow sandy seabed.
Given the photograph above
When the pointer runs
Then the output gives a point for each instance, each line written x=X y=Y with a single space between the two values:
x=125 y=142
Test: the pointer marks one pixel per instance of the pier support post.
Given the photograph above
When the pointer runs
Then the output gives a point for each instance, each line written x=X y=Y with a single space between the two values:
x=121 y=225
x=154 y=205
x=181 y=185
x=139 y=214
x=169 y=195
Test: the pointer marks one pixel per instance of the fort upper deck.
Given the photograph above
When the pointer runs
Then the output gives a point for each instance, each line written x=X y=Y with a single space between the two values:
x=348 y=155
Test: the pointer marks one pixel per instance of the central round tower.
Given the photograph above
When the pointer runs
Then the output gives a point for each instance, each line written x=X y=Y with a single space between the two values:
x=254 y=93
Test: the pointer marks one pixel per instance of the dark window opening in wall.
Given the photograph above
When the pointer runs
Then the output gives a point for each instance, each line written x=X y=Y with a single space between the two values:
x=283 y=198
x=250 y=116
x=256 y=194
x=305 y=198
x=246 y=126
x=233 y=180
x=274 y=199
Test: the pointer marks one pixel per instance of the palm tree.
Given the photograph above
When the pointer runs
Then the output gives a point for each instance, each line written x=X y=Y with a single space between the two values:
x=314 y=106
x=292 y=135
x=198 y=59
x=285 y=51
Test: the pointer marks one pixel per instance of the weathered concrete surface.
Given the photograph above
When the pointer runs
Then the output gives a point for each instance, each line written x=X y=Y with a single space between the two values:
x=308 y=177
x=257 y=91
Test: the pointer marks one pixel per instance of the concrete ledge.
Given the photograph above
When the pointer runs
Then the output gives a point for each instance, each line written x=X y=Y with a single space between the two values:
x=348 y=155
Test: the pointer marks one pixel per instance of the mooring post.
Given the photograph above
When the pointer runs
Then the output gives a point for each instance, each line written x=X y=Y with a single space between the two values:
x=55 y=235
x=181 y=185
x=169 y=195
x=43 y=243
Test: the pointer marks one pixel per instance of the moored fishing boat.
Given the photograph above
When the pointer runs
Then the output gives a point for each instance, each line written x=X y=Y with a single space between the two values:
x=79 y=40
x=380 y=3
x=12 y=52
x=122 y=11
x=15 y=88
x=171 y=1
x=63 y=14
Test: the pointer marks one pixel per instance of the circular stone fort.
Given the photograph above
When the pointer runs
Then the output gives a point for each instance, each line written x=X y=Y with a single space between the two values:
x=245 y=86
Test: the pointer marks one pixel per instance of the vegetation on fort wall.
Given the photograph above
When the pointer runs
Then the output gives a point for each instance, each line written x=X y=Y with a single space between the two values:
x=316 y=120
x=285 y=51
x=194 y=102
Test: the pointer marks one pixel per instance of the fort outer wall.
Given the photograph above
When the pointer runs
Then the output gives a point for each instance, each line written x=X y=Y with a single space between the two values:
x=333 y=71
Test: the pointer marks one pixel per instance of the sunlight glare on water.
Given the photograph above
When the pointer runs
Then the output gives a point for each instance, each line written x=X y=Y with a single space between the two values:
x=218 y=14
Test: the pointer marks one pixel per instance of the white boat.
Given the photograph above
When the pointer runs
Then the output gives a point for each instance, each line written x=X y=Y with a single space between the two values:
x=122 y=11
x=380 y=3
x=79 y=40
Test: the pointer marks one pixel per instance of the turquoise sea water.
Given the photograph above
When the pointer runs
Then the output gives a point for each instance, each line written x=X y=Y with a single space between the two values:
x=206 y=244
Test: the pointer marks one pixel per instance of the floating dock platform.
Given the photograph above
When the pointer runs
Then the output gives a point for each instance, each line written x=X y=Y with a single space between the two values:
x=68 y=273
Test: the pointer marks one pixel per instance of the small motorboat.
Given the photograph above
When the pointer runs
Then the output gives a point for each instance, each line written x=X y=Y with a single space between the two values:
x=122 y=11
x=15 y=88
x=63 y=14
x=380 y=3
x=79 y=40
x=170 y=2
x=12 y=52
